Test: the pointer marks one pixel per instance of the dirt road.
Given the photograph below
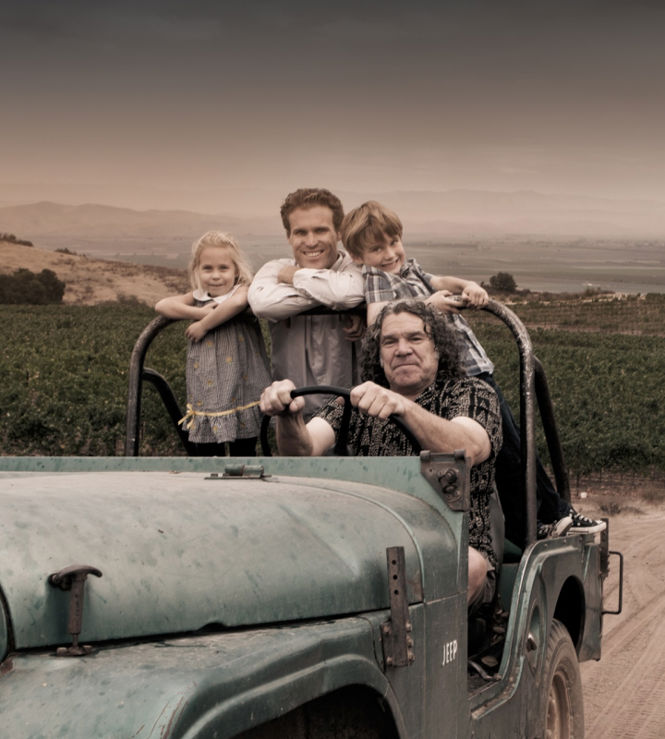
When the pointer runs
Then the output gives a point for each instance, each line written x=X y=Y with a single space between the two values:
x=624 y=693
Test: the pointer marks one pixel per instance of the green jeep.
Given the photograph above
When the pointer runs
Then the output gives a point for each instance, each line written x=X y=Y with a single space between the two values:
x=283 y=597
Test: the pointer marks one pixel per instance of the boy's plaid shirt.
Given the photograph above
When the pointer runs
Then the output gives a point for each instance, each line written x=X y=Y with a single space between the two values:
x=413 y=282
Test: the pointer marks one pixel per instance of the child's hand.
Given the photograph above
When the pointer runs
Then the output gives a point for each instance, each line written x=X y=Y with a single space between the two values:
x=206 y=309
x=445 y=301
x=475 y=295
x=353 y=326
x=195 y=331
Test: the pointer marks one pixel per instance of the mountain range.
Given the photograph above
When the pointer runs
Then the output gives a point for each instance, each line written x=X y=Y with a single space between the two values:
x=454 y=214
x=549 y=242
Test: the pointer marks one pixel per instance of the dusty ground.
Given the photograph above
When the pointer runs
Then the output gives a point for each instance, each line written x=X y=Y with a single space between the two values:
x=624 y=693
x=91 y=281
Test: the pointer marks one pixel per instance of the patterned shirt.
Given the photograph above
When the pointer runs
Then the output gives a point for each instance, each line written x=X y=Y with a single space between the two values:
x=413 y=282
x=468 y=397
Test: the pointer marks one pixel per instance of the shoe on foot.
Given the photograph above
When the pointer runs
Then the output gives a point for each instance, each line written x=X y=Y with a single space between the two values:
x=584 y=525
x=554 y=529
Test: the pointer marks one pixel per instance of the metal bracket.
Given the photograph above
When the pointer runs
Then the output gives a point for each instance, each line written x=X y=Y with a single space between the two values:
x=396 y=639
x=244 y=471
x=448 y=474
x=619 y=607
x=604 y=550
x=605 y=554
x=73 y=578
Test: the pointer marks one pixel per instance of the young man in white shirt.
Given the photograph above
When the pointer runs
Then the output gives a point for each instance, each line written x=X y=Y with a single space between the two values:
x=311 y=349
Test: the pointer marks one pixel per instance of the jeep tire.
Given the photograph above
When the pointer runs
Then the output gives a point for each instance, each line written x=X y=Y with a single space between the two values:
x=562 y=706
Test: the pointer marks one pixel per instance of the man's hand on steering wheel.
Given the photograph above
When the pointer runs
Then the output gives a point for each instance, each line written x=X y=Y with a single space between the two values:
x=378 y=401
x=276 y=399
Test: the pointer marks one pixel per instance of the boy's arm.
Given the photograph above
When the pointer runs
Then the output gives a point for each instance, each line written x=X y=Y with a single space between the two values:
x=379 y=291
x=474 y=294
x=440 y=300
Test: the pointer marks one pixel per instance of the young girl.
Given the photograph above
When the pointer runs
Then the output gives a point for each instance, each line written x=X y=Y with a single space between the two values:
x=227 y=367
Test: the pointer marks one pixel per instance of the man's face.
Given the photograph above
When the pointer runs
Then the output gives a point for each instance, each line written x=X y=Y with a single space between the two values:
x=409 y=359
x=387 y=254
x=313 y=237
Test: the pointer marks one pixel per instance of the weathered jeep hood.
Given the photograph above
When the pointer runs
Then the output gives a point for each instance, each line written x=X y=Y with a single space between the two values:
x=180 y=551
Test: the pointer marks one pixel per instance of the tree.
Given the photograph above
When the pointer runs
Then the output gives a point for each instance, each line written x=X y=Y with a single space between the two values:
x=54 y=288
x=26 y=287
x=11 y=238
x=503 y=282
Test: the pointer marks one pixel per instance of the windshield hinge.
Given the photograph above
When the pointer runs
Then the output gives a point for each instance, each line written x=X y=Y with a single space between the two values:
x=448 y=474
x=396 y=632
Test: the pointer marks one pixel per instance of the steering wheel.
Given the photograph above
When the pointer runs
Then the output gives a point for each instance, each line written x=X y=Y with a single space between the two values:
x=341 y=447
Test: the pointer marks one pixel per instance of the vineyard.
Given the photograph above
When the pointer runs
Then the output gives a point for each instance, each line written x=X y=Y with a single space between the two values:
x=64 y=371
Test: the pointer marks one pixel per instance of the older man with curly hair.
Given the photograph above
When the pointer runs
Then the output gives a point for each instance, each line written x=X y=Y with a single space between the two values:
x=411 y=369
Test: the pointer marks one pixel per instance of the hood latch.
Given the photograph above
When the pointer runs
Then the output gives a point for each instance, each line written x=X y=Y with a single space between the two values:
x=73 y=578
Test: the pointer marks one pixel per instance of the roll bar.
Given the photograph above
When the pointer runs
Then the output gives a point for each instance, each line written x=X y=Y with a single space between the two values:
x=533 y=387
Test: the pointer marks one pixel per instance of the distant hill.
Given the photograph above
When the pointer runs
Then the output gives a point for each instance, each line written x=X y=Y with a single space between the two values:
x=551 y=243
x=91 y=281
x=105 y=221
x=110 y=232
x=102 y=230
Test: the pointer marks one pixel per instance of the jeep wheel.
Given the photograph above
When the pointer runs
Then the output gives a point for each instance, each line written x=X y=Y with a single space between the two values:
x=562 y=701
x=349 y=713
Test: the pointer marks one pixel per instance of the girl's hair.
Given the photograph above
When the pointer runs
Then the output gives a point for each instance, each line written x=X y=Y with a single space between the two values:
x=223 y=241
x=368 y=224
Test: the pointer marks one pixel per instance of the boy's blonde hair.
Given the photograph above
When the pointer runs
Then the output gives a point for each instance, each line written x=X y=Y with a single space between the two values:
x=368 y=224
x=223 y=241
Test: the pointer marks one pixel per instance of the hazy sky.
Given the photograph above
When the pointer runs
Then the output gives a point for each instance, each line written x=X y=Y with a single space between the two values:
x=165 y=104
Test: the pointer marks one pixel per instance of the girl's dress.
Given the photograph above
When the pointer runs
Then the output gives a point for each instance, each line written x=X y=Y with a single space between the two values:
x=226 y=373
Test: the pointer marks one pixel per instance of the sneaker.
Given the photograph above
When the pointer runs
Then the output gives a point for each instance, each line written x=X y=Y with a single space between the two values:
x=584 y=525
x=556 y=528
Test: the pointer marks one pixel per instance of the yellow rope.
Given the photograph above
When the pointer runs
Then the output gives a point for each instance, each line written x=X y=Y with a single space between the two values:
x=191 y=413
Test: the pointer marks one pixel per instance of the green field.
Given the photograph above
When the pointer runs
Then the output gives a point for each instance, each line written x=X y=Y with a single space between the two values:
x=605 y=377
x=64 y=370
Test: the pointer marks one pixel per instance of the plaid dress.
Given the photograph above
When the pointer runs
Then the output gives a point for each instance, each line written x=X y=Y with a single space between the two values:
x=226 y=372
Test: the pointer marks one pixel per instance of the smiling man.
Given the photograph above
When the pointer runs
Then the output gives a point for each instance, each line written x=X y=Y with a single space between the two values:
x=311 y=349
x=411 y=369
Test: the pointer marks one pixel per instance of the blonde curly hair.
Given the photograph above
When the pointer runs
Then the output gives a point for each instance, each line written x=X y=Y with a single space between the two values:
x=220 y=240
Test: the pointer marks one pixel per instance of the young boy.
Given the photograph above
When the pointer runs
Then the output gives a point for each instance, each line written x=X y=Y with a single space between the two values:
x=372 y=235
